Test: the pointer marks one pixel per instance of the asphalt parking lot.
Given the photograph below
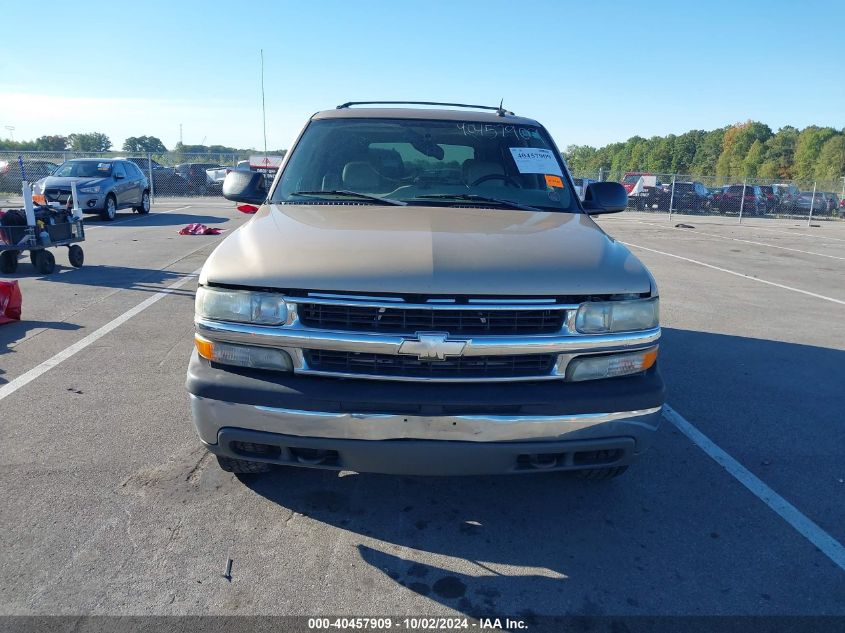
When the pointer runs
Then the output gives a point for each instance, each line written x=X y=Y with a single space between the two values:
x=112 y=507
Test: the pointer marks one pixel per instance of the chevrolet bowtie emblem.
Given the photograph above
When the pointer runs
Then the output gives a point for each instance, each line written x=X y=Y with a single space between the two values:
x=432 y=346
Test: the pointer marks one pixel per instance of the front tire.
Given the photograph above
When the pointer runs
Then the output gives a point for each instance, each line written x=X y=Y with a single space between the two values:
x=144 y=207
x=110 y=210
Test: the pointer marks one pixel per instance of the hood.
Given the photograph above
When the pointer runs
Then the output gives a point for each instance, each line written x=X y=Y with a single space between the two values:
x=425 y=250
x=64 y=181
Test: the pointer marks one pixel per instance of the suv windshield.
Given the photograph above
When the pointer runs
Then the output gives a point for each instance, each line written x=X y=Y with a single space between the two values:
x=84 y=169
x=425 y=162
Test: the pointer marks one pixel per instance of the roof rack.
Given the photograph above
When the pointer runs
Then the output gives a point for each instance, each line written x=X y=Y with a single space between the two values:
x=498 y=110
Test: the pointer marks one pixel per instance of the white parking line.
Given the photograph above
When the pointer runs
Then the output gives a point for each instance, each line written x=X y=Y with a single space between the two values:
x=743 y=275
x=746 y=226
x=819 y=237
x=140 y=217
x=829 y=546
x=736 y=239
x=24 y=379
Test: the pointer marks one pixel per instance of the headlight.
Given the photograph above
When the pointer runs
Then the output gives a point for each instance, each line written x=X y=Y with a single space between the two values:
x=602 y=317
x=243 y=355
x=610 y=365
x=241 y=306
x=95 y=189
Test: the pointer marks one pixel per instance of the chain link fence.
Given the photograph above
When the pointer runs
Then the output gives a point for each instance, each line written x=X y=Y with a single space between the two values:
x=176 y=174
x=690 y=194
x=171 y=174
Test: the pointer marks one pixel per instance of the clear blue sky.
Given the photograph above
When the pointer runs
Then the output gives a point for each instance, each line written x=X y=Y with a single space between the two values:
x=593 y=73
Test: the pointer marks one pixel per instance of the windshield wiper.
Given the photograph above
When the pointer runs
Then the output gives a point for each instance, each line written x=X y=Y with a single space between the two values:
x=471 y=197
x=351 y=194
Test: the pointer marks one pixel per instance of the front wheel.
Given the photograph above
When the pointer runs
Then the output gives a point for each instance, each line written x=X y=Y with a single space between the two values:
x=110 y=209
x=144 y=207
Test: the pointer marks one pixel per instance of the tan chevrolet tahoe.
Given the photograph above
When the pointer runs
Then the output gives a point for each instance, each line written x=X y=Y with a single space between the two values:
x=421 y=292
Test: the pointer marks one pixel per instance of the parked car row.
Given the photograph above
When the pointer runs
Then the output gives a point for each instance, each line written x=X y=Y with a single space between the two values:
x=646 y=192
x=184 y=179
x=777 y=198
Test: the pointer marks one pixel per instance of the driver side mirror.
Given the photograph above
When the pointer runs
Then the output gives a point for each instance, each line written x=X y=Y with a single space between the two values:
x=245 y=186
x=119 y=176
x=605 y=197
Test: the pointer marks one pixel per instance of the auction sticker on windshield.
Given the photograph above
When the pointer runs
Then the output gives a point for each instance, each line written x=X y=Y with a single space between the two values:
x=554 y=181
x=535 y=160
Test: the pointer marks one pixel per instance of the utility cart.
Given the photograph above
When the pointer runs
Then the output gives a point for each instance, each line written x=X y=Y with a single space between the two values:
x=54 y=228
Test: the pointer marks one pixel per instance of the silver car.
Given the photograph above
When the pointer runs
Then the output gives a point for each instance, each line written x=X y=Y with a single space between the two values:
x=103 y=186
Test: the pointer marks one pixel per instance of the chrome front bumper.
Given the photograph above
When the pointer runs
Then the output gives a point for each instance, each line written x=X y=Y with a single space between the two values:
x=212 y=415
x=424 y=445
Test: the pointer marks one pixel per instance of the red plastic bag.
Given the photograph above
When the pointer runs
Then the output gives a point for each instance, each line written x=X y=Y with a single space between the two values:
x=11 y=301
x=199 y=229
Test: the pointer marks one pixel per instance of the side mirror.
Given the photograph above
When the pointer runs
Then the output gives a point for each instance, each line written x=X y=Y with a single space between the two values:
x=119 y=176
x=245 y=186
x=605 y=197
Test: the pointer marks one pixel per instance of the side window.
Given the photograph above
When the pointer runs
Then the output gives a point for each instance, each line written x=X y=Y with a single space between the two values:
x=136 y=171
x=118 y=170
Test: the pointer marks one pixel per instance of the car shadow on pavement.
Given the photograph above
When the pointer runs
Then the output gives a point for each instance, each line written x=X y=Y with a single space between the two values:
x=154 y=219
x=17 y=331
x=673 y=532
x=105 y=276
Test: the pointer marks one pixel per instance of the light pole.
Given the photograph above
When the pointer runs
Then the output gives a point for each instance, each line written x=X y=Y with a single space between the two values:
x=11 y=129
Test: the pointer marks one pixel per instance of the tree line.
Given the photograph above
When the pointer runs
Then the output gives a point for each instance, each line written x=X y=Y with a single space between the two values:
x=99 y=142
x=743 y=150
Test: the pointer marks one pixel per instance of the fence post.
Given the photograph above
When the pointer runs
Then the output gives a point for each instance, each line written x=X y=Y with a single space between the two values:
x=742 y=200
x=152 y=180
x=672 y=197
x=601 y=173
x=812 y=204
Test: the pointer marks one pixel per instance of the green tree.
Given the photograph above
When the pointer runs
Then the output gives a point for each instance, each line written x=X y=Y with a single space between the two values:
x=753 y=159
x=53 y=143
x=831 y=162
x=808 y=148
x=89 y=142
x=708 y=151
x=683 y=151
x=658 y=159
x=579 y=158
x=144 y=144
x=780 y=154
x=736 y=144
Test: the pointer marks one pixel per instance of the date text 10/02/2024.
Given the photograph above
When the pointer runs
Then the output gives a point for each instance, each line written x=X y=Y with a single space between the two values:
x=416 y=624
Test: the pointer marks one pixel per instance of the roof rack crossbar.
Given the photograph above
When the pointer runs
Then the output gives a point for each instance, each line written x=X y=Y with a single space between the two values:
x=497 y=109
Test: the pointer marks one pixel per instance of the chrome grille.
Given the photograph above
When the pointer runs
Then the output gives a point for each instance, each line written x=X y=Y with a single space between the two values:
x=57 y=194
x=408 y=320
x=356 y=363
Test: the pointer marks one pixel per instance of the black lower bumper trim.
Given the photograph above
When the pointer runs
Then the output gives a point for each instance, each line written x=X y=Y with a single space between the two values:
x=424 y=457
